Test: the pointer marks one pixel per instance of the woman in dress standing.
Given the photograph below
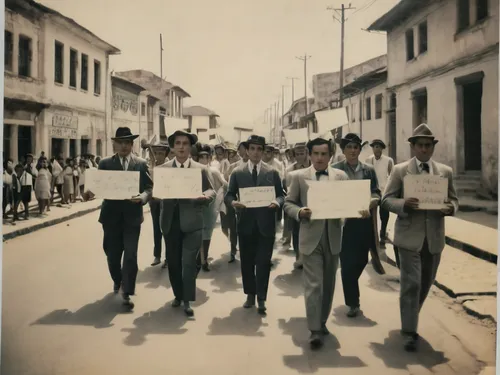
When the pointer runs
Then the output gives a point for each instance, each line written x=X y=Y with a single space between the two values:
x=42 y=185
x=68 y=185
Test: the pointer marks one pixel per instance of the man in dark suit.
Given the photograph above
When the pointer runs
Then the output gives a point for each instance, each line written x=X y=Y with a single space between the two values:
x=121 y=219
x=182 y=224
x=256 y=226
x=158 y=157
x=358 y=235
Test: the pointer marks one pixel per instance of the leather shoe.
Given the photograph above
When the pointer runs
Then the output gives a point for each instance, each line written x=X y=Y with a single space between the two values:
x=116 y=288
x=411 y=343
x=353 y=312
x=316 y=340
x=250 y=302
x=232 y=259
x=176 y=303
x=261 y=307
x=188 y=310
x=127 y=302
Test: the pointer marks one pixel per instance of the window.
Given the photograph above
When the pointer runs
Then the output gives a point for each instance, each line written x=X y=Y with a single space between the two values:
x=84 y=79
x=368 y=105
x=481 y=10
x=353 y=111
x=9 y=50
x=73 y=63
x=463 y=13
x=24 y=63
x=59 y=62
x=97 y=77
x=98 y=147
x=378 y=106
x=419 y=107
x=143 y=109
x=422 y=37
x=410 y=45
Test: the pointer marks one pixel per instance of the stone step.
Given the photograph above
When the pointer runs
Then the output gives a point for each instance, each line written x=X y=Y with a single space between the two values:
x=469 y=203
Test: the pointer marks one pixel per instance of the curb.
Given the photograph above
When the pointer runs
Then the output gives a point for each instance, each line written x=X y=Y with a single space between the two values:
x=48 y=223
x=471 y=250
x=477 y=314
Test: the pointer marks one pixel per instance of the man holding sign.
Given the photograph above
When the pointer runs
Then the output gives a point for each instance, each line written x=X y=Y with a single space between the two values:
x=319 y=241
x=182 y=222
x=418 y=233
x=121 y=219
x=256 y=224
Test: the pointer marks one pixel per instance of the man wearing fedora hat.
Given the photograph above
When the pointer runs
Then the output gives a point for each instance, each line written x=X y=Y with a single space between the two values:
x=256 y=226
x=418 y=234
x=122 y=219
x=383 y=167
x=358 y=236
x=182 y=223
x=158 y=157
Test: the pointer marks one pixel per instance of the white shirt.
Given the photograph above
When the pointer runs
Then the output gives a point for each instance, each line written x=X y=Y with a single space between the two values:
x=251 y=165
x=186 y=164
x=127 y=163
x=381 y=167
x=419 y=166
x=323 y=177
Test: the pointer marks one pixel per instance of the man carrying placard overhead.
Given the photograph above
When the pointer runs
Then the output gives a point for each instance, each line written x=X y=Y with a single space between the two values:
x=418 y=233
x=182 y=224
x=121 y=219
x=320 y=240
x=257 y=225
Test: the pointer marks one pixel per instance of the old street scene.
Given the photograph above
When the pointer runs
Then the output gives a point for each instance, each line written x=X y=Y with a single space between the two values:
x=234 y=187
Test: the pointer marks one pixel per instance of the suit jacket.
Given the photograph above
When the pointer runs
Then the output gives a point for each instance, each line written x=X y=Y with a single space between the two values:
x=190 y=211
x=132 y=213
x=311 y=230
x=412 y=228
x=368 y=174
x=264 y=217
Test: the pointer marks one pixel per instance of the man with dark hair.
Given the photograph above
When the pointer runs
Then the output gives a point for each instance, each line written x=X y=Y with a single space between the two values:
x=358 y=236
x=320 y=240
x=256 y=226
x=418 y=234
x=122 y=219
x=182 y=223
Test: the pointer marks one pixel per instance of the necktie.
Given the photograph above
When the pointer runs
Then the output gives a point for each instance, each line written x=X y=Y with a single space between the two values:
x=124 y=164
x=254 y=175
x=182 y=165
x=425 y=167
x=319 y=173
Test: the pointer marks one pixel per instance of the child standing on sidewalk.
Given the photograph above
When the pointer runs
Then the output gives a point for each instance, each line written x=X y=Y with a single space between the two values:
x=22 y=193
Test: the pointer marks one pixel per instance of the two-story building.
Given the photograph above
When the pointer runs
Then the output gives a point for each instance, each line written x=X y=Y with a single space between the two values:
x=201 y=121
x=443 y=70
x=171 y=99
x=291 y=119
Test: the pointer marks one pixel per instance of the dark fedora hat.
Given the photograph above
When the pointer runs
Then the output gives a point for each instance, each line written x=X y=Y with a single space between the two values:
x=193 y=138
x=220 y=145
x=242 y=143
x=270 y=147
x=378 y=142
x=205 y=150
x=350 y=138
x=256 y=140
x=161 y=146
x=124 y=133
x=422 y=131
x=299 y=145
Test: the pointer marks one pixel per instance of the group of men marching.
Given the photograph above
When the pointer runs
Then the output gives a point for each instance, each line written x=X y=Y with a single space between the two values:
x=319 y=245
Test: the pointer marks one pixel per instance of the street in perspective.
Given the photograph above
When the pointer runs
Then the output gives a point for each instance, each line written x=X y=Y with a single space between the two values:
x=250 y=188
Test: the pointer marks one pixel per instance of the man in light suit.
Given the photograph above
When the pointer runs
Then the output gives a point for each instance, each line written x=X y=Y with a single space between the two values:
x=319 y=241
x=182 y=224
x=121 y=219
x=418 y=234
x=256 y=226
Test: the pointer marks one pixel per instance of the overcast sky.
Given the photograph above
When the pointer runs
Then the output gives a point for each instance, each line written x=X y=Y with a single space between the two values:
x=232 y=56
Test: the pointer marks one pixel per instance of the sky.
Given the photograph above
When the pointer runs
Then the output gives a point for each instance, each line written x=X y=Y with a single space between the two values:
x=232 y=56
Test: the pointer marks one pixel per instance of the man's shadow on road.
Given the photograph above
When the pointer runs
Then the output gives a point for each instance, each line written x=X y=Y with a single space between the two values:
x=311 y=361
x=342 y=319
x=394 y=355
x=240 y=322
x=154 y=277
x=224 y=275
x=98 y=314
x=290 y=284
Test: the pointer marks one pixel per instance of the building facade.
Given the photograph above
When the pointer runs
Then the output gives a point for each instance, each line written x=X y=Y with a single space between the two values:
x=443 y=70
x=201 y=121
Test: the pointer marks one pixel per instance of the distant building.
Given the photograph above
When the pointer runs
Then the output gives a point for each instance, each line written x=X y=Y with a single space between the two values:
x=201 y=121
x=291 y=119
x=443 y=70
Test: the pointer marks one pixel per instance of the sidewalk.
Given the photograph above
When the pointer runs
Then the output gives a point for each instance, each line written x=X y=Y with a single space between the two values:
x=58 y=214
x=468 y=270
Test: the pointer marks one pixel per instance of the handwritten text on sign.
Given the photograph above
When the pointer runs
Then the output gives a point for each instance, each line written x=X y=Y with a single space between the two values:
x=431 y=191
x=338 y=199
x=113 y=185
x=177 y=183
x=259 y=196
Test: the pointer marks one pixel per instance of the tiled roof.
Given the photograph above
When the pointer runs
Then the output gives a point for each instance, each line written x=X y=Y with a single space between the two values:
x=198 y=110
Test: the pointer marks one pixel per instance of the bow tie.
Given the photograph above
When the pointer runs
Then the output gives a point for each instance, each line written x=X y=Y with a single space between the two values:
x=319 y=173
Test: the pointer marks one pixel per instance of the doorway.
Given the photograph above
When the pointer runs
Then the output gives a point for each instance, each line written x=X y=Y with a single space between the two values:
x=6 y=142
x=391 y=123
x=57 y=147
x=472 y=94
x=24 y=141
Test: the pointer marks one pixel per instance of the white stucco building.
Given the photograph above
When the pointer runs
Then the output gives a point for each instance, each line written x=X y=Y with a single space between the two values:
x=443 y=70
x=201 y=121
x=59 y=71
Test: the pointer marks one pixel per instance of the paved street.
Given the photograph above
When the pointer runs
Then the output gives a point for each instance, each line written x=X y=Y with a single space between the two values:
x=59 y=318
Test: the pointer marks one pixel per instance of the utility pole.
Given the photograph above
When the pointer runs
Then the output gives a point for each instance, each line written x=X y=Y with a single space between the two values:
x=282 y=112
x=305 y=58
x=293 y=87
x=342 y=37
x=161 y=57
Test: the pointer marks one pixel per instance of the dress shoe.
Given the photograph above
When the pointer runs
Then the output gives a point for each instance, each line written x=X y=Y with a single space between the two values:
x=324 y=330
x=187 y=309
x=116 y=288
x=316 y=340
x=205 y=267
x=156 y=261
x=232 y=259
x=164 y=265
x=176 y=303
x=261 y=307
x=353 y=312
x=250 y=302
x=127 y=302
x=411 y=342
